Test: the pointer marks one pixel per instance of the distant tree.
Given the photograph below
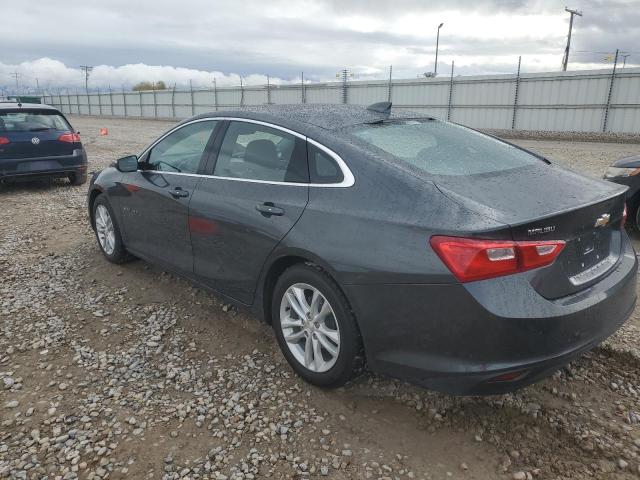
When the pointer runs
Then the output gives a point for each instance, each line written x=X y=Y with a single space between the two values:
x=149 y=86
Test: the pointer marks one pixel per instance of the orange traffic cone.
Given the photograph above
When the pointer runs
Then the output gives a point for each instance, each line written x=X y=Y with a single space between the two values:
x=104 y=131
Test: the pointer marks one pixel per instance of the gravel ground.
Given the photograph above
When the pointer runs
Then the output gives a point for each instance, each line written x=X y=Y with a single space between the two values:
x=129 y=372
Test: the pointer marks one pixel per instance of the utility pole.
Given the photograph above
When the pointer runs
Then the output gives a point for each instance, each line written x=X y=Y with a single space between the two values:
x=565 y=60
x=344 y=75
x=17 y=76
x=268 y=90
x=87 y=71
x=624 y=59
x=390 y=84
x=608 y=106
x=215 y=93
x=435 y=68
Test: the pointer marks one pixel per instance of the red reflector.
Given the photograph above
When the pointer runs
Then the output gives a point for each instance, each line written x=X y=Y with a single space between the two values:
x=473 y=259
x=69 y=137
x=4 y=141
x=508 y=377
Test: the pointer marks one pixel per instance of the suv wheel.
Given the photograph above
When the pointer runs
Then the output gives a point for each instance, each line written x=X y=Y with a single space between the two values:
x=77 y=178
x=315 y=327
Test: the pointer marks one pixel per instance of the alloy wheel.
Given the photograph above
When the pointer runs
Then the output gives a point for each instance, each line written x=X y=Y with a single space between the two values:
x=105 y=230
x=309 y=327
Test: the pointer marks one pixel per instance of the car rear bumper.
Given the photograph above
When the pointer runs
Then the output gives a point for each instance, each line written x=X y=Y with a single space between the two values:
x=60 y=165
x=458 y=338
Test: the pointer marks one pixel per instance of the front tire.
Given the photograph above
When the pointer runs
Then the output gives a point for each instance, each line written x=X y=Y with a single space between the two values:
x=108 y=232
x=315 y=327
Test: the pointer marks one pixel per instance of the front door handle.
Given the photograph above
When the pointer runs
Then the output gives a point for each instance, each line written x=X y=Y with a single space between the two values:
x=268 y=209
x=178 y=192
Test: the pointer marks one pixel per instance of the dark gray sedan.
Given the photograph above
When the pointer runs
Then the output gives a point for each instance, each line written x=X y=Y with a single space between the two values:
x=424 y=249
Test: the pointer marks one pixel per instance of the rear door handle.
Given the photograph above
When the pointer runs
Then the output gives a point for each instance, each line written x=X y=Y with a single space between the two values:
x=268 y=209
x=178 y=193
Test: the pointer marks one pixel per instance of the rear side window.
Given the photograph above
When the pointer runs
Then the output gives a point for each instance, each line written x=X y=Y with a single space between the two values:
x=25 y=121
x=443 y=149
x=322 y=168
x=256 y=152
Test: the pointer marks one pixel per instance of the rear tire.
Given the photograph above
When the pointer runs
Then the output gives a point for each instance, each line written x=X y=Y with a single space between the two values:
x=326 y=326
x=78 y=178
x=633 y=213
x=107 y=232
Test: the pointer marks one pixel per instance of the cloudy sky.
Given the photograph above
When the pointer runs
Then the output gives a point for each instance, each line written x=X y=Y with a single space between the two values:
x=176 y=41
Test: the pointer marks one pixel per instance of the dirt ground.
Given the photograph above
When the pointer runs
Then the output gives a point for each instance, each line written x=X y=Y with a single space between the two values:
x=129 y=372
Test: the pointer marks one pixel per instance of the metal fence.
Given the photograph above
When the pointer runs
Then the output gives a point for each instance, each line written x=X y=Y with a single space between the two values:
x=581 y=101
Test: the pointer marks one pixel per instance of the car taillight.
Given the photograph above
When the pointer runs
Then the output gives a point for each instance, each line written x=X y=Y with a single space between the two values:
x=69 y=138
x=624 y=216
x=472 y=259
x=4 y=141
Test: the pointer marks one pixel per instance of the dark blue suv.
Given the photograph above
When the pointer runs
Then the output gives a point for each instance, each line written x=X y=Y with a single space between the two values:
x=37 y=141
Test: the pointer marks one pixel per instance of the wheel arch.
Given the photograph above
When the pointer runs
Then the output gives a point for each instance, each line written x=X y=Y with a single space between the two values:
x=275 y=266
x=93 y=194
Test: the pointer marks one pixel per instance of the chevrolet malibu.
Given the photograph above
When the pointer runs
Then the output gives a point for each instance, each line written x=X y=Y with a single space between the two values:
x=37 y=141
x=423 y=249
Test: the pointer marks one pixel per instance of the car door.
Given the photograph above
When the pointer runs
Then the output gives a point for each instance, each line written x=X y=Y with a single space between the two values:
x=257 y=191
x=156 y=198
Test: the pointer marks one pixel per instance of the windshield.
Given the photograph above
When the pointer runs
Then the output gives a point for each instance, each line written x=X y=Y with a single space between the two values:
x=32 y=121
x=441 y=148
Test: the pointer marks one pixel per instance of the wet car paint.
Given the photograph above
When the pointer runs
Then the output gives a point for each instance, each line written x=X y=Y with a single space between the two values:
x=417 y=321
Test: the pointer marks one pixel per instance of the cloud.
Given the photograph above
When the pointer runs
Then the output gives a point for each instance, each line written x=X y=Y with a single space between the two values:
x=53 y=74
x=198 y=39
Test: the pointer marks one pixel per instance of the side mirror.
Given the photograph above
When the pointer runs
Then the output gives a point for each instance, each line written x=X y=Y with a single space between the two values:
x=127 y=164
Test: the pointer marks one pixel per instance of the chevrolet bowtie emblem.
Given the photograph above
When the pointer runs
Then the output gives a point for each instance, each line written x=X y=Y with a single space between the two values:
x=602 y=220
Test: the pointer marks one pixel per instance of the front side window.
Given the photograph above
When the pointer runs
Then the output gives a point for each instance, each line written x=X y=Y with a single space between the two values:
x=181 y=151
x=442 y=149
x=256 y=152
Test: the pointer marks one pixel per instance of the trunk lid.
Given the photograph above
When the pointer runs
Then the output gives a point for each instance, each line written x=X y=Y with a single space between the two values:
x=35 y=144
x=546 y=202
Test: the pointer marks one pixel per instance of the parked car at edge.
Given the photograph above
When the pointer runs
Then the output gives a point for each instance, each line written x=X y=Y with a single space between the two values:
x=433 y=252
x=626 y=171
x=37 y=141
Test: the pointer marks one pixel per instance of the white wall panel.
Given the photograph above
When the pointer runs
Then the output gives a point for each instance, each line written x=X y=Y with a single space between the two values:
x=555 y=101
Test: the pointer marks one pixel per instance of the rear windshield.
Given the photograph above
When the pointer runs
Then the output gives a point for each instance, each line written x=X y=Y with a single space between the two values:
x=441 y=148
x=32 y=121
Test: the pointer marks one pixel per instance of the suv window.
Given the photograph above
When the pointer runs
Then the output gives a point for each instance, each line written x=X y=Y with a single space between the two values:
x=34 y=121
x=322 y=168
x=182 y=150
x=256 y=152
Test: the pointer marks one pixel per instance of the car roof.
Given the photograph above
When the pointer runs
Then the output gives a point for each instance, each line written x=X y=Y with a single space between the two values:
x=301 y=117
x=25 y=106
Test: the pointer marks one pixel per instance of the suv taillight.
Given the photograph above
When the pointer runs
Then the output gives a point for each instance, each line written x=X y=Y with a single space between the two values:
x=471 y=259
x=69 y=137
x=4 y=141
